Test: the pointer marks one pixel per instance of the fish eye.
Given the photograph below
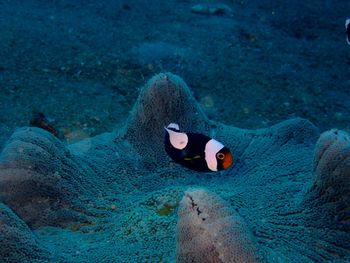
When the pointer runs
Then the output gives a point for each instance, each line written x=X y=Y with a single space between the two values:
x=220 y=156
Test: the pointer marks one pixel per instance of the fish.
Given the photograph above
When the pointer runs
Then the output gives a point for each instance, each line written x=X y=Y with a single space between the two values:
x=347 y=27
x=196 y=151
x=39 y=120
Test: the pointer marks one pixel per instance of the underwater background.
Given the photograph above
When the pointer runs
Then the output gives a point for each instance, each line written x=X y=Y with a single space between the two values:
x=82 y=63
x=269 y=79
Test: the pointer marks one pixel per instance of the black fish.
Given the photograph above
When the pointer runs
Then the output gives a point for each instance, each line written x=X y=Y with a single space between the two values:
x=347 y=26
x=196 y=151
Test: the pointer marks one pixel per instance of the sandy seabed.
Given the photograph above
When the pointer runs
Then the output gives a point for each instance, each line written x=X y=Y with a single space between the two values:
x=82 y=63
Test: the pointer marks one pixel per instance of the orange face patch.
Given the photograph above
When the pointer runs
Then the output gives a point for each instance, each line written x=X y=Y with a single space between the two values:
x=228 y=160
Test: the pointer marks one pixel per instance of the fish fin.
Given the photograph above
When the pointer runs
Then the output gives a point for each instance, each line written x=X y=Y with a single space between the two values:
x=192 y=158
x=174 y=126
